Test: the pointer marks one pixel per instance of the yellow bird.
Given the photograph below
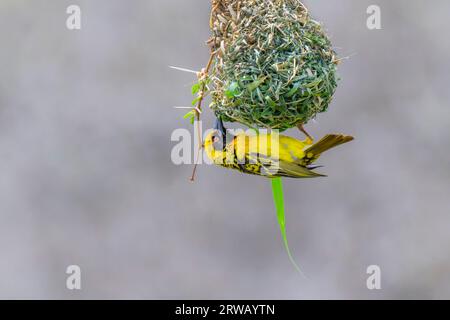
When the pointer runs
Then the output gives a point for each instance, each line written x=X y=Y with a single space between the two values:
x=270 y=155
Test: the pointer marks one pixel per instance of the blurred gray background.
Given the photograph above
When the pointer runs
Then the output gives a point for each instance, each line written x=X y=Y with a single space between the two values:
x=86 y=176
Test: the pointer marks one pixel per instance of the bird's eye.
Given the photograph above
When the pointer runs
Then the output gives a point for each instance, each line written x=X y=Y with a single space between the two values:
x=217 y=143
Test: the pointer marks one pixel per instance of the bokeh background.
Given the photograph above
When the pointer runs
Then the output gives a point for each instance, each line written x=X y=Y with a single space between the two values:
x=86 y=176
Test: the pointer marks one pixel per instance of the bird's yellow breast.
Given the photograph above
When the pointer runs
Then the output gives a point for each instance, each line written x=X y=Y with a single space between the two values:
x=270 y=145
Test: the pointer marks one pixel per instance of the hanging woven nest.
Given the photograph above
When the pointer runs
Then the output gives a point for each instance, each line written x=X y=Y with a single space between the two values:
x=274 y=67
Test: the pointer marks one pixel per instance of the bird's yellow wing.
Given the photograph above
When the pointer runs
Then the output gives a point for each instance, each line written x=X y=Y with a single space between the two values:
x=274 y=167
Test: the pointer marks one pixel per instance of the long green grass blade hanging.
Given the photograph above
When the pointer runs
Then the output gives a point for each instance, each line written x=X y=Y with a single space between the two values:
x=278 y=198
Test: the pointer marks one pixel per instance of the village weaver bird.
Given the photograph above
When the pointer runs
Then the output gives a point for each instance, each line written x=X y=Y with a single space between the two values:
x=269 y=155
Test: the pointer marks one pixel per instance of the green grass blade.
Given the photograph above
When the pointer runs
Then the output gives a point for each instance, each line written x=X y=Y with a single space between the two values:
x=278 y=198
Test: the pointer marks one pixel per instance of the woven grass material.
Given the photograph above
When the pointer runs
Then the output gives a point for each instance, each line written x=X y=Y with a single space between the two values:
x=275 y=66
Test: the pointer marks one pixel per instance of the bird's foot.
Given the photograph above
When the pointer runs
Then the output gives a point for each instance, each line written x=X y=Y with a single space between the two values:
x=309 y=138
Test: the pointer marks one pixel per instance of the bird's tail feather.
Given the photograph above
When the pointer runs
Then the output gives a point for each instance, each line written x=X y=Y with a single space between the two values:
x=326 y=143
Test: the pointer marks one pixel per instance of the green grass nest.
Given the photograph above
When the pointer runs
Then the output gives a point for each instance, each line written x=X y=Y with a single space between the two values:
x=275 y=66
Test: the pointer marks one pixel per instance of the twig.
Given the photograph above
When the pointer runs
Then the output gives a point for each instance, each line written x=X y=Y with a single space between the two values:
x=201 y=75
